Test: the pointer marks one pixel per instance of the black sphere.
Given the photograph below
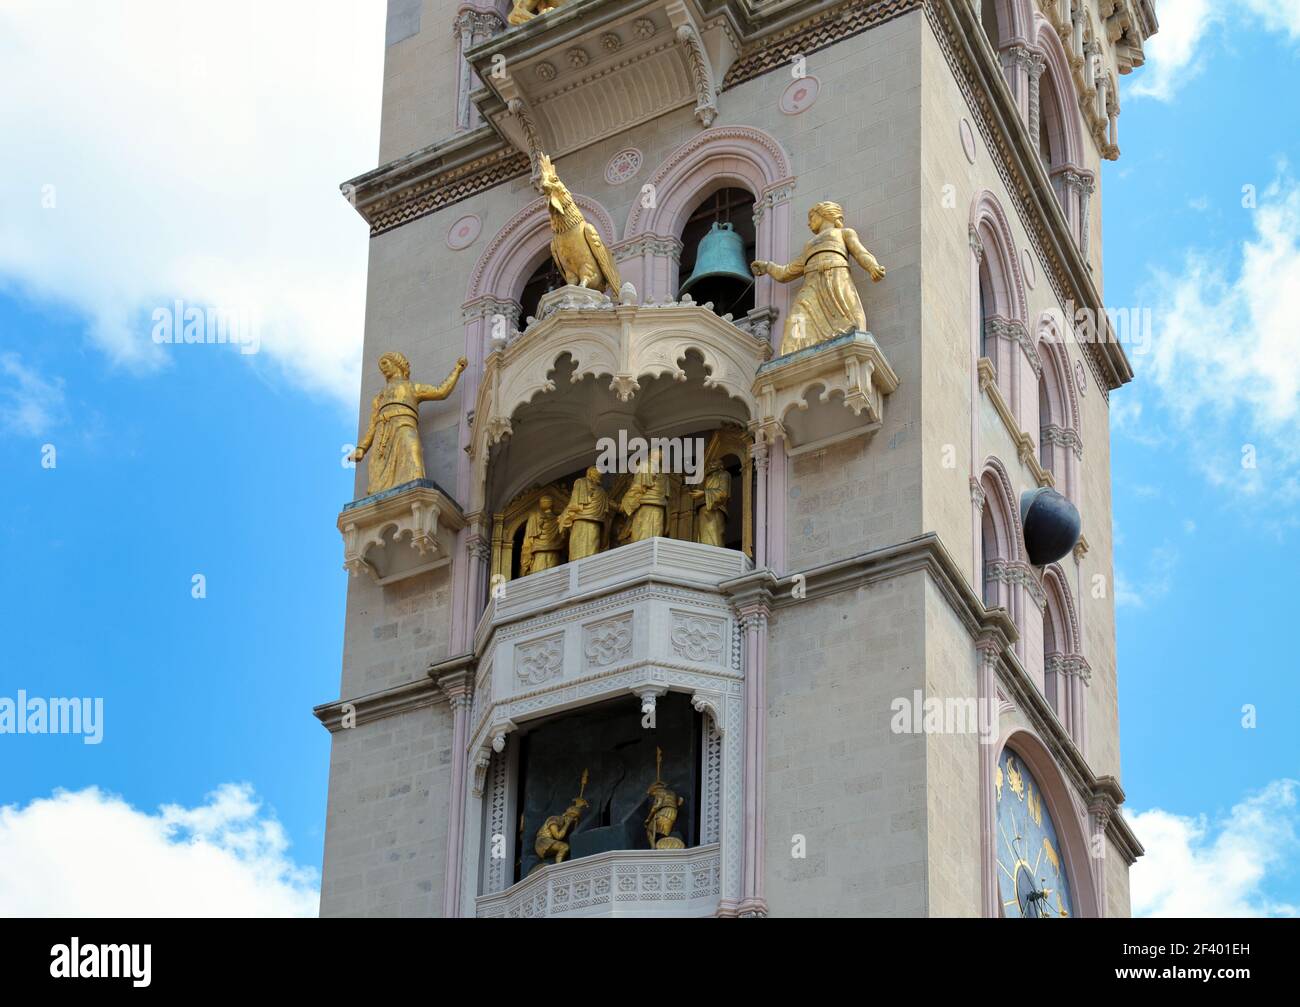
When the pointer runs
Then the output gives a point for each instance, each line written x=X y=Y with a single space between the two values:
x=1052 y=525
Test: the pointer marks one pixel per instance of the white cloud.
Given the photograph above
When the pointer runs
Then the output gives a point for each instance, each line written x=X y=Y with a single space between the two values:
x=30 y=404
x=1197 y=868
x=1156 y=583
x=1227 y=347
x=1176 y=53
x=1171 y=51
x=193 y=151
x=91 y=854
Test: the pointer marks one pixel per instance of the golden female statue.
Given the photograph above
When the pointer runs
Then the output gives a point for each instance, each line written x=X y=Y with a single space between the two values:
x=394 y=429
x=711 y=522
x=543 y=539
x=827 y=304
x=584 y=517
x=646 y=500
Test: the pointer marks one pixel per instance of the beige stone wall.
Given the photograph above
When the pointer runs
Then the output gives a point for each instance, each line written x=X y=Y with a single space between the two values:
x=420 y=73
x=837 y=775
x=385 y=831
x=952 y=793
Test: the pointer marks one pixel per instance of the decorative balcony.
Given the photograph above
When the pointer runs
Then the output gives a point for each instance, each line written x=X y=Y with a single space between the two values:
x=374 y=528
x=825 y=393
x=643 y=59
x=673 y=883
x=623 y=343
x=647 y=625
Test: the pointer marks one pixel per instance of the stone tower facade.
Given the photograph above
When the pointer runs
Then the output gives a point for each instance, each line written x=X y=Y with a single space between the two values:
x=880 y=662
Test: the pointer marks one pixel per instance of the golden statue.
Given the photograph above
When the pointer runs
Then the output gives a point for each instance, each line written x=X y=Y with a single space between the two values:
x=526 y=10
x=711 y=522
x=646 y=500
x=576 y=246
x=552 y=836
x=584 y=517
x=543 y=539
x=827 y=304
x=394 y=428
x=661 y=818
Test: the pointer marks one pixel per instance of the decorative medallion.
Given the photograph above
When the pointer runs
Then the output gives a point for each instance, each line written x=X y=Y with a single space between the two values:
x=546 y=71
x=541 y=661
x=799 y=95
x=577 y=58
x=1031 y=273
x=611 y=42
x=697 y=638
x=623 y=165
x=643 y=27
x=967 y=140
x=608 y=642
x=464 y=232
x=1080 y=376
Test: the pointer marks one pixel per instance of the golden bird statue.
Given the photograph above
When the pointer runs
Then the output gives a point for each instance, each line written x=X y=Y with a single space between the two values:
x=576 y=247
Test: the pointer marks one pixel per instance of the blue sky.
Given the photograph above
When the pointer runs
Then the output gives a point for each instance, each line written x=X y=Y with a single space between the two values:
x=174 y=461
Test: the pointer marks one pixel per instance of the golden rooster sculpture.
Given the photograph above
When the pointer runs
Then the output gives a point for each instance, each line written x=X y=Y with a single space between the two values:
x=576 y=247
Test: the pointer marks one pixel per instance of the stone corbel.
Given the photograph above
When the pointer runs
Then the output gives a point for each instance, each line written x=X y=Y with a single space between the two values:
x=706 y=90
x=373 y=526
x=482 y=760
x=852 y=366
x=710 y=703
x=649 y=696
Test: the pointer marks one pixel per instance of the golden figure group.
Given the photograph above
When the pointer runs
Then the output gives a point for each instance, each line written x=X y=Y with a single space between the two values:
x=594 y=520
x=392 y=438
x=827 y=305
x=552 y=837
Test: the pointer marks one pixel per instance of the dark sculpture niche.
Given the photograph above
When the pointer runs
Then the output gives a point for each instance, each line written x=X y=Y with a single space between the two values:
x=619 y=755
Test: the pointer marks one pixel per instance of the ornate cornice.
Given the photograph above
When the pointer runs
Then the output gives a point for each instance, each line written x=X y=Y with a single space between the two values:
x=1015 y=155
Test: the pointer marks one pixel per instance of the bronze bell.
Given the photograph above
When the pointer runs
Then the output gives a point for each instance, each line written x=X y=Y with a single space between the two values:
x=721 y=271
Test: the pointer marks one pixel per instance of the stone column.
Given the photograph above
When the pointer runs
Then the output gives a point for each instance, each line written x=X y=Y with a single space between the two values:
x=1037 y=64
x=457 y=684
x=987 y=650
x=758 y=451
x=753 y=619
x=472 y=26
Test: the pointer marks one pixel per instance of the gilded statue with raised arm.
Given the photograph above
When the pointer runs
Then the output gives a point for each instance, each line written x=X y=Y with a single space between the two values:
x=392 y=439
x=827 y=305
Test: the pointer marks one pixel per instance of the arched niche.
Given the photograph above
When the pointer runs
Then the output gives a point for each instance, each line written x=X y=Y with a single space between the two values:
x=714 y=159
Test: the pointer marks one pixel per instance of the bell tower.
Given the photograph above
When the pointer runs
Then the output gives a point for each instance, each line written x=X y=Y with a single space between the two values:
x=753 y=554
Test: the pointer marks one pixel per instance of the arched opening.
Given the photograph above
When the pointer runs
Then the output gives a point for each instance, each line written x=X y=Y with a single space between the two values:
x=988 y=306
x=990 y=18
x=545 y=278
x=988 y=552
x=733 y=208
x=1052 y=654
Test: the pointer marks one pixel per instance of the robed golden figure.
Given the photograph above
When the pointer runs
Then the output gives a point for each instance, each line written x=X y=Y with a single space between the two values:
x=543 y=539
x=827 y=304
x=712 y=499
x=392 y=439
x=646 y=500
x=585 y=515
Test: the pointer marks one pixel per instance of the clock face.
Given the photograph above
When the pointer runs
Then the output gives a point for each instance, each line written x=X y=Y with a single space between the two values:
x=1031 y=876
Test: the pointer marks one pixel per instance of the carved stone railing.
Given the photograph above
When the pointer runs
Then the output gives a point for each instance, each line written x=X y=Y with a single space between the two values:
x=673 y=883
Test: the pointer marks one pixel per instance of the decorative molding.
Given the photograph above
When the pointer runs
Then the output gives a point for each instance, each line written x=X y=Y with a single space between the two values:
x=416 y=695
x=698 y=638
x=1018 y=572
x=607 y=642
x=540 y=661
